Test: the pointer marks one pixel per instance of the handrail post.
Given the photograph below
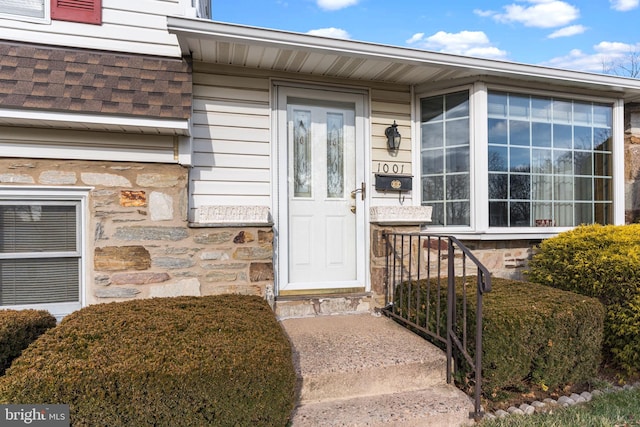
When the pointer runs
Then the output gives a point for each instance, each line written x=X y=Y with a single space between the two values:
x=451 y=308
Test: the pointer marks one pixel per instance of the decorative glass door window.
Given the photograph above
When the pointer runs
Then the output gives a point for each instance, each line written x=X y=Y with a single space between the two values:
x=302 y=167
x=335 y=155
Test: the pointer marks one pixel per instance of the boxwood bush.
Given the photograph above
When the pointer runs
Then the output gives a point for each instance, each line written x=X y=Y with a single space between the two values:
x=184 y=361
x=532 y=334
x=18 y=329
x=603 y=262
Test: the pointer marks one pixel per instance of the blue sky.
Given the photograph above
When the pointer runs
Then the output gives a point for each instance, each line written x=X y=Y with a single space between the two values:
x=568 y=34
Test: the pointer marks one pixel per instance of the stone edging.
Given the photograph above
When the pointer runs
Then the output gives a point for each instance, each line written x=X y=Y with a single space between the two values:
x=548 y=404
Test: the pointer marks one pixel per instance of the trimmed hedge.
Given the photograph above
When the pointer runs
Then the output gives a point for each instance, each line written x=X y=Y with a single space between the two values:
x=18 y=329
x=184 y=361
x=532 y=334
x=602 y=262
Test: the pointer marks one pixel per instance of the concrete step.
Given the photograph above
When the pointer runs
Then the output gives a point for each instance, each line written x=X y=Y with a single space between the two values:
x=437 y=406
x=367 y=370
x=318 y=305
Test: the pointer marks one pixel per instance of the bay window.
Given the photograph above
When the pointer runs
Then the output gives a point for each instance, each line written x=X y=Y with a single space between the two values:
x=550 y=161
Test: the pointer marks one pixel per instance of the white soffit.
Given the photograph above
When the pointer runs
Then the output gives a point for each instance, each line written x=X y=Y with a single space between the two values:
x=238 y=45
x=95 y=122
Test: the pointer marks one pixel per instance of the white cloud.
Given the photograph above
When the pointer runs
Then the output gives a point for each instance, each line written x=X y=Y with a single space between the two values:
x=624 y=5
x=415 y=38
x=568 y=31
x=335 y=4
x=336 y=33
x=604 y=53
x=539 y=13
x=470 y=43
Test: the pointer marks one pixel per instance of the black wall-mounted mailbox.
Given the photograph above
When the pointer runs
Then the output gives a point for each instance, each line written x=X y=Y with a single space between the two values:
x=387 y=182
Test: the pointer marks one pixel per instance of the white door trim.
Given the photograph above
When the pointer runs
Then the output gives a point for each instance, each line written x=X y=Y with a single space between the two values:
x=360 y=99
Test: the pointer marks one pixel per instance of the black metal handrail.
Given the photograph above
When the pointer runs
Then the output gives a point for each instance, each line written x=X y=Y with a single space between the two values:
x=418 y=266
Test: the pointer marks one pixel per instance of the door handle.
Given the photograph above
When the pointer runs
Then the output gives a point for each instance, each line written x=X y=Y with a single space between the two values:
x=362 y=190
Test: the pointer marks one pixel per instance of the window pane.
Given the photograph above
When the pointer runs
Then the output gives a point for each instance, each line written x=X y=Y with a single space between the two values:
x=302 y=162
x=38 y=228
x=519 y=187
x=497 y=103
x=39 y=281
x=498 y=186
x=497 y=131
x=603 y=213
x=541 y=161
x=582 y=113
x=458 y=213
x=458 y=159
x=582 y=138
x=602 y=164
x=432 y=188
x=519 y=133
x=457 y=187
x=497 y=158
x=437 y=213
x=602 y=139
x=519 y=106
x=457 y=132
x=562 y=111
x=498 y=214
x=432 y=109
x=432 y=161
x=583 y=188
x=563 y=187
x=541 y=134
x=541 y=187
x=519 y=160
x=584 y=213
x=457 y=105
x=602 y=115
x=562 y=162
x=432 y=135
x=542 y=214
x=541 y=109
x=564 y=214
x=562 y=137
x=519 y=215
x=603 y=189
x=584 y=162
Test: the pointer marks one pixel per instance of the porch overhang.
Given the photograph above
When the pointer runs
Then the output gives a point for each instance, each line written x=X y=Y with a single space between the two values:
x=276 y=50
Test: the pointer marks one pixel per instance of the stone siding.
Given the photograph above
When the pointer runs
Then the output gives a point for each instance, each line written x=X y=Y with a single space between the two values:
x=139 y=241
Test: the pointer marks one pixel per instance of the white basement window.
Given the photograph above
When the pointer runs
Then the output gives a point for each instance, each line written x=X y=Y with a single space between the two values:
x=41 y=254
x=27 y=10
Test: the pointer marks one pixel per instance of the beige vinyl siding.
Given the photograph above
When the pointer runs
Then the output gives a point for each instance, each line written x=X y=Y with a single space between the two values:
x=138 y=26
x=231 y=139
x=86 y=145
x=387 y=105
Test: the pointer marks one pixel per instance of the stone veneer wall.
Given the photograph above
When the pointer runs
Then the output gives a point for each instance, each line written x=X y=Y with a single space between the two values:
x=139 y=241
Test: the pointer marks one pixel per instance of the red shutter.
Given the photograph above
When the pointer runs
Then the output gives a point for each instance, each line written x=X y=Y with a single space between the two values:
x=87 y=11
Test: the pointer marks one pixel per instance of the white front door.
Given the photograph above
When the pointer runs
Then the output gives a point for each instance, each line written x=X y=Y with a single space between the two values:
x=324 y=202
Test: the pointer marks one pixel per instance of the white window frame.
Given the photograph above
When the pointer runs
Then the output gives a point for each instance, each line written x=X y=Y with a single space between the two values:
x=46 y=19
x=76 y=195
x=478 y=97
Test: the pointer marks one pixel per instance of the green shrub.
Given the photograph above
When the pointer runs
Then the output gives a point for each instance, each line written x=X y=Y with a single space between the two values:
x=603 y=262
x=18 y=329
x=532 y=334
x=185 y=361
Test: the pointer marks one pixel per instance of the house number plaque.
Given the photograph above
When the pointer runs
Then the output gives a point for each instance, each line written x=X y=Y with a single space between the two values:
x=390 y=168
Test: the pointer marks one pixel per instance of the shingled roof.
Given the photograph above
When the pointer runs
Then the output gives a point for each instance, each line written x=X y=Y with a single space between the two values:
x=74 y=80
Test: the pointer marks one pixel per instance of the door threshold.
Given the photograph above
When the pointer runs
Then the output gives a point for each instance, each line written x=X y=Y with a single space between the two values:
x=330 y=292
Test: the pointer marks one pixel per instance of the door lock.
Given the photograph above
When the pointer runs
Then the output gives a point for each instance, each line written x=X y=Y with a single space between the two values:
x=353 y=209
x=362 y=190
